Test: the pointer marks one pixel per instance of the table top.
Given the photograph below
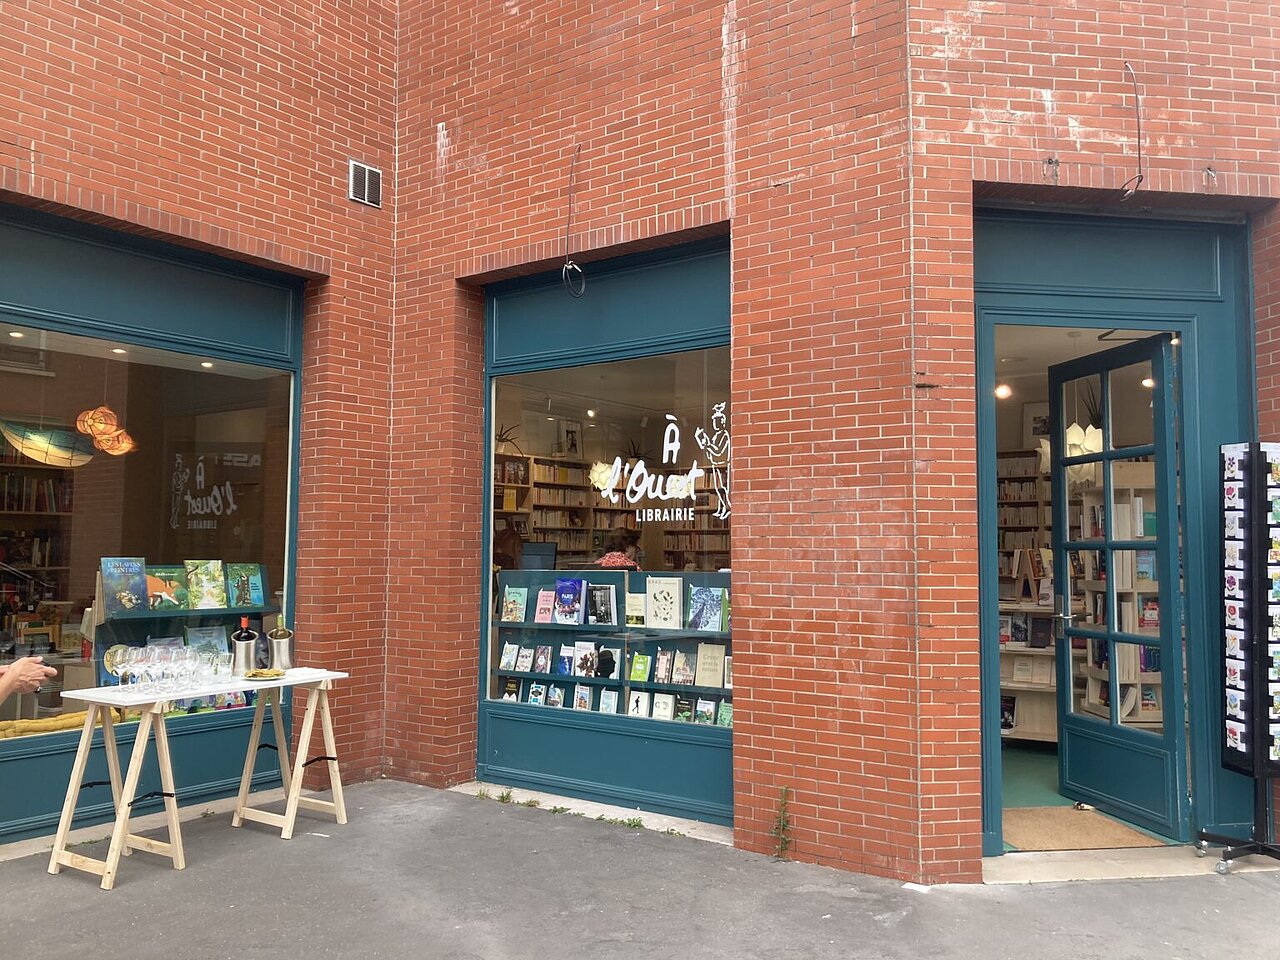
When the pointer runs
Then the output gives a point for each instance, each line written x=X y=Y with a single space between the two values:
x=127 y=696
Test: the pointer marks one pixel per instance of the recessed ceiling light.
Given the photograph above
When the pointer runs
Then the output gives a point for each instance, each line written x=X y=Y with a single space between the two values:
x=1012 y=359
x=1004 y=391
x=1148 y=382
x=1176 y=340
x=208 y=365
x=591 y=413
x=551 y=418
x=118 y=350
x=17 y=334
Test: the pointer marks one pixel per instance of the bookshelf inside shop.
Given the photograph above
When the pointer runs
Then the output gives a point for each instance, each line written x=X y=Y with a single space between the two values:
x=35 y=528
x=1133 y=581
x=551 y=500
x=1028 y=671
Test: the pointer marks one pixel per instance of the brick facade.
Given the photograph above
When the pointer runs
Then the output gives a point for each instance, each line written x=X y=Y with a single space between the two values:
x=841 y=145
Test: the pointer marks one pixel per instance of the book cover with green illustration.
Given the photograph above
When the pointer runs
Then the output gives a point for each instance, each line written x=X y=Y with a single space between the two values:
x=206 y=585
x=167 y=587
x=245 y=586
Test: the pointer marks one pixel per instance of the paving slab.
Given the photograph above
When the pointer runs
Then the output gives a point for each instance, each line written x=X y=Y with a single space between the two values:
x=422 y=874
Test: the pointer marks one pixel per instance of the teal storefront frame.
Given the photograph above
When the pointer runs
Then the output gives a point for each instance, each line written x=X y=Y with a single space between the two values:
x=81 y=279
x=647 y=305
x=1156 y=276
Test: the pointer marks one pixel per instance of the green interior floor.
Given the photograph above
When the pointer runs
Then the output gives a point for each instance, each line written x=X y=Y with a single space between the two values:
x=1030 y=775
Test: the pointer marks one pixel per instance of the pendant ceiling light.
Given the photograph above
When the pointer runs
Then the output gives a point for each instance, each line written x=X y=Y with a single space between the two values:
x=57 y=448
x=103 y=427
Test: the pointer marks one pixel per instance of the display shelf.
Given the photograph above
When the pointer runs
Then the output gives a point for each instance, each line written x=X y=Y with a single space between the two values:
x=681 y=644
x=187 y=614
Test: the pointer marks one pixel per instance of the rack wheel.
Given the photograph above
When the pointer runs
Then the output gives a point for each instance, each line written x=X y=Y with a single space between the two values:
x=1202 y=848
x=1222 y=867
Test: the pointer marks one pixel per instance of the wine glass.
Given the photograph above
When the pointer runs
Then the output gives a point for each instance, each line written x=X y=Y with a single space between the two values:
x=115 y=661
x=135 y=659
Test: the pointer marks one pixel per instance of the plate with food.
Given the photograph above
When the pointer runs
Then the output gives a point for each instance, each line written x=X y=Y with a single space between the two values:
x=264 y=673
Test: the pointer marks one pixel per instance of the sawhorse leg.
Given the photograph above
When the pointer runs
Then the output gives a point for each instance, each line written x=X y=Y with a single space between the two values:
x=272 y=698
x=60 y=857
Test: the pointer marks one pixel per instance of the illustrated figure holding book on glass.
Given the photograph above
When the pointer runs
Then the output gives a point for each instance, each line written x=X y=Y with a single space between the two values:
x=717 y=447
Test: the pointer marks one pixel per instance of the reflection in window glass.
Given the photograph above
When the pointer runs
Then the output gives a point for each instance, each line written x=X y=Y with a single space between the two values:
x=114 y=450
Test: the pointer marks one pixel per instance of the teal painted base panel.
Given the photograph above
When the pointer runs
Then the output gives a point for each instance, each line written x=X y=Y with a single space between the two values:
x=208 y=758
x=681 y=769
x=601 y=793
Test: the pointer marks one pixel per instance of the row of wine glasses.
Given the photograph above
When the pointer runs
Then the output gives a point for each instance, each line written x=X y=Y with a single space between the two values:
x=166 y=669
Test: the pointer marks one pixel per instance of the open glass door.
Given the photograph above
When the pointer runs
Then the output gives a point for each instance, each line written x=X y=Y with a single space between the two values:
x=1117 y=583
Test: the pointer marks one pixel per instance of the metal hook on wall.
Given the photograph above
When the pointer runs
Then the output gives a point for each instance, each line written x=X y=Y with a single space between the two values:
x=1130 y=186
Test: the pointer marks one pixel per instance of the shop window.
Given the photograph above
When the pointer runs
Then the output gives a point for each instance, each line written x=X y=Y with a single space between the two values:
x=611 y=511
x=123 y=452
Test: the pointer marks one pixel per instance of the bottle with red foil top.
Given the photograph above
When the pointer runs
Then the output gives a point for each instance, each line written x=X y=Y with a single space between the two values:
x=244 y=649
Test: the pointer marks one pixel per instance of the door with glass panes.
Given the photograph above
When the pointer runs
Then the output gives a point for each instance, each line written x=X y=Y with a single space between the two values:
x=1118 y=585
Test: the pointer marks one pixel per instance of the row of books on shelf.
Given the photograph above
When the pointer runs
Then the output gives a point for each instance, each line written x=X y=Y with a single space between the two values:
x=34 y=548
x=562 y=497
x=1027 y=465
x=638 y=703
x=513 y=470
x=1132 y=519
x=1033 y=515
x=709 y=665
x=680 y=540
x=555 y=473
x=130 y=585
x=23 y=492
x=1023 y=490
x=664 y=605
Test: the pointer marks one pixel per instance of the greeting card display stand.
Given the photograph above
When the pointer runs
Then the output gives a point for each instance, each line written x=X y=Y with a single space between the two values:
x=1251 y=636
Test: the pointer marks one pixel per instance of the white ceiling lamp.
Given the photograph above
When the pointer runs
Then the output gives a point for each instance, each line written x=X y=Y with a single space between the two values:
x=1079 y=441
x=1003 y=391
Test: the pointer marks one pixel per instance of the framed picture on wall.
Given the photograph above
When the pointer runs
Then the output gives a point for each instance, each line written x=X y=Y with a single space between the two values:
x=571 y=439
x=1035 y=424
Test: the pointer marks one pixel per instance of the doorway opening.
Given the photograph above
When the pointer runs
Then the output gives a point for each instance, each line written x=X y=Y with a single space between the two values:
x=1091 y=676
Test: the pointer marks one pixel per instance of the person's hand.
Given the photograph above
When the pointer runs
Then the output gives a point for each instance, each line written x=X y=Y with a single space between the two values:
x=30 y=673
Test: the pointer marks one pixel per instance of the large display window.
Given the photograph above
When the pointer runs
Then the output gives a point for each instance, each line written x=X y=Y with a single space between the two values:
x=611 y=524
x=167 y=472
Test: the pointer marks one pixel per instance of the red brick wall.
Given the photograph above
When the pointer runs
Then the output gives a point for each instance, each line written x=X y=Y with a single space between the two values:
x=840 y=142
x=228 y=128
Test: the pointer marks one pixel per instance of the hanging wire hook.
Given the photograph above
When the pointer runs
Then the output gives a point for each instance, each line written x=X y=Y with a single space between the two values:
x=1130 y=186
x=575 y=281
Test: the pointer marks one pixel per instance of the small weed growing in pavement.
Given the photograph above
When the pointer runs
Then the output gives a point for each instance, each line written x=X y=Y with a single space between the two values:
x=559 y=809
x=672 y=832
x=504 y=796
x=635 y=823
x=531 y=802
x=781 y=831
x=482 y=794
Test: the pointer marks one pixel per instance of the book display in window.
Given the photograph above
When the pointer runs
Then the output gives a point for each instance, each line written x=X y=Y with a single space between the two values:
x=676 y=673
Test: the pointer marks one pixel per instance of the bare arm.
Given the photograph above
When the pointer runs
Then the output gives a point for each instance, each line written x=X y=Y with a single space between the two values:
x=24 y=676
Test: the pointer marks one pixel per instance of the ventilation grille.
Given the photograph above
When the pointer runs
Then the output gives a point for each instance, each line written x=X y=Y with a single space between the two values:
x=364 y=184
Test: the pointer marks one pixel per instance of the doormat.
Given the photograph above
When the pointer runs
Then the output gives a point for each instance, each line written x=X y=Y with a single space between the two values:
x=1066 y=828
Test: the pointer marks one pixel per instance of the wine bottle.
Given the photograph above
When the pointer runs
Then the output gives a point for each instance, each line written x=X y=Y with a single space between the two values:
x=244 y=649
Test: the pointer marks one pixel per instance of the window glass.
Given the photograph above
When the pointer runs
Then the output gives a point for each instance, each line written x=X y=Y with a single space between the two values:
x=111 y=450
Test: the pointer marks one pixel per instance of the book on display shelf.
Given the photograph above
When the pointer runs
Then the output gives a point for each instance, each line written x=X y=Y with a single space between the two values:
x=705 y=608
x=662 y=666
x=601 y=604
x=664 y=706
x=581 y=697
x=208 y=639
x=524 y=659
x=565 y=659
x=545 y=609
x=537 y=694
x=724 y=714
x=662 y=608
x=584 y=659
x=571 y=593
x=542 y=659
x=511 y=689
x=635 y=609
x=684 y=709
x=555 y=696
x=509 y=653
x=709 y=667
x=608 y=701
x=124 y=585
x=245 y=587
x=704 y=711
x=684 y=667
x=166 y=586
x=514 y=600
x=728 y=673
x=206 y=584
x=609 y=662
x=638 y=703
x=639 y=667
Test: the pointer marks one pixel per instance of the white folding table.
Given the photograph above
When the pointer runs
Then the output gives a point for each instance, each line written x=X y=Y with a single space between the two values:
x=315 y=686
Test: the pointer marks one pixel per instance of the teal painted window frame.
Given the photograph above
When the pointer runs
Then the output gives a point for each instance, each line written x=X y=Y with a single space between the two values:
x=694 y=332
x=148 y=332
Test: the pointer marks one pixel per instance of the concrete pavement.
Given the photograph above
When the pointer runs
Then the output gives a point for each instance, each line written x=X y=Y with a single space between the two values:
x=424 y=874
